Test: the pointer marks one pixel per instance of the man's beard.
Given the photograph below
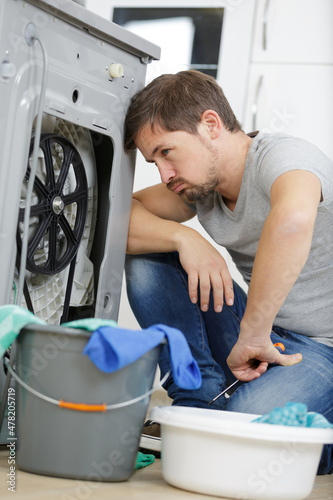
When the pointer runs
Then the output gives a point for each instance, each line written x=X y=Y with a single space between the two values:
x=199 y=192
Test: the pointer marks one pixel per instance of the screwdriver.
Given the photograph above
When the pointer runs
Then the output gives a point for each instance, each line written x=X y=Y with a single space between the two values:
x=278 y=345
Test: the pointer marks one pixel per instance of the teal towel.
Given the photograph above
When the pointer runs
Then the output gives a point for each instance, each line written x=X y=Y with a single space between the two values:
x=14 y=318
x=143 y=460
x=294 y=414
x=89 y=324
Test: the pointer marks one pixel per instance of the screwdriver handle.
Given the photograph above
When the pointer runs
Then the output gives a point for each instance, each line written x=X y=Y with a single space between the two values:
x=279 y=346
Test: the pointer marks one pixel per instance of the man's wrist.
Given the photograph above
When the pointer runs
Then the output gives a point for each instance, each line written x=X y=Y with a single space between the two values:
x=181 y=236
x=252 y=328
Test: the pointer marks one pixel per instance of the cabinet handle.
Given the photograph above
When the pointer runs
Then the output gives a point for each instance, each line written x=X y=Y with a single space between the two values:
x=254 y=109
x=264 y=25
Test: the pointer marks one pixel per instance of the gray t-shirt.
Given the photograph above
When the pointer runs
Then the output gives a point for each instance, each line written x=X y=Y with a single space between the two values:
x=308 y=309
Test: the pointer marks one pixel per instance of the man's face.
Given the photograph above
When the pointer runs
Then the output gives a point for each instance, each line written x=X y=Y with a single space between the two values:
x=186 y=162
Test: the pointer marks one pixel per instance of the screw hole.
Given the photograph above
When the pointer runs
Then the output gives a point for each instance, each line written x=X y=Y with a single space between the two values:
x=107 y=301
x=75 y=95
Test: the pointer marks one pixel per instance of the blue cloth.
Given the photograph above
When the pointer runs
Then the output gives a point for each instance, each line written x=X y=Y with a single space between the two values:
x=294 y=414
x=112 y=348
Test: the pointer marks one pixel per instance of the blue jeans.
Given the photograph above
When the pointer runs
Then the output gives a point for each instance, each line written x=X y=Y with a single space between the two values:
x=157 y=292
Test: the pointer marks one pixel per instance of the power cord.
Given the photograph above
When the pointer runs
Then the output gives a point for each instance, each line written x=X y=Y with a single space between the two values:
x=31 y=38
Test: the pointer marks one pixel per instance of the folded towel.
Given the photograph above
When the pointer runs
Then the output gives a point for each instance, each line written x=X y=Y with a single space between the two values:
x=294 y=414
x=111 y=348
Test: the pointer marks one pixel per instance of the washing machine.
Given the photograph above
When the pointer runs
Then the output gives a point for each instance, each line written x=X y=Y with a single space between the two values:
x=66 y=80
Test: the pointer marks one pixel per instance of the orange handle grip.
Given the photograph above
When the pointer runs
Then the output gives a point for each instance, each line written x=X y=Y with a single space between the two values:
x=278 y=344
x=81 y=406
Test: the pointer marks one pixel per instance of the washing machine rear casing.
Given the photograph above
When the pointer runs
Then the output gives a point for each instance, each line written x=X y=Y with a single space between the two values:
x=80 y=46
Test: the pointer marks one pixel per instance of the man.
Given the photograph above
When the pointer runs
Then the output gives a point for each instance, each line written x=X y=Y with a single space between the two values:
x=266 y=198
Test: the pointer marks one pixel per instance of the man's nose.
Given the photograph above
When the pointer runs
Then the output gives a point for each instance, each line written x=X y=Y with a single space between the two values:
x=166 y=172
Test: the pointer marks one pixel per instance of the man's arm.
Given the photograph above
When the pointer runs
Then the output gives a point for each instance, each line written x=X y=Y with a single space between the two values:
x=155 y=226
x=156 y=215
x=283 y=249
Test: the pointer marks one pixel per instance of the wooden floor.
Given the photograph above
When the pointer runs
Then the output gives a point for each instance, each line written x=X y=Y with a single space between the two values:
x=145 y=484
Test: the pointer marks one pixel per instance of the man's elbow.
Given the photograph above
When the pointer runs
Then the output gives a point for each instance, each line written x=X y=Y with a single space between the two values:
x=295 y=224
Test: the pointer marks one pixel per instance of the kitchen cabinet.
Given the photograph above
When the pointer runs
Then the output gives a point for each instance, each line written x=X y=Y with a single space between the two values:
x=293 y=99
x=290 y=86
x=295 y=31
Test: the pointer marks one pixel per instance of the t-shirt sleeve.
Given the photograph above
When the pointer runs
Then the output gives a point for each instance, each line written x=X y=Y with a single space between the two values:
x=294 y=154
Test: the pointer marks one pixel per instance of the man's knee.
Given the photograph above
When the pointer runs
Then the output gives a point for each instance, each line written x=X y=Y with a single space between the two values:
x=139 y=274
x=147 y=273
x=260 y=396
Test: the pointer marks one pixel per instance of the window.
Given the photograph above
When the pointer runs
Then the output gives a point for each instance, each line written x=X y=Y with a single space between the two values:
x=196 y=32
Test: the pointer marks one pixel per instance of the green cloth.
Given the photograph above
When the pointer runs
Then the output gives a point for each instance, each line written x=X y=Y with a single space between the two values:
x=89 y=324
x=143 y=460
x=13 y=318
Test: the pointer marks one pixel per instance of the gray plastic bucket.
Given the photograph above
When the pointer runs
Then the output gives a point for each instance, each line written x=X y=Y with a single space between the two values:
x=59 y=441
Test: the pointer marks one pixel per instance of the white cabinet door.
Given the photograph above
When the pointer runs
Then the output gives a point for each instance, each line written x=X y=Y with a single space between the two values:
x=294 y=99
x=296 y=31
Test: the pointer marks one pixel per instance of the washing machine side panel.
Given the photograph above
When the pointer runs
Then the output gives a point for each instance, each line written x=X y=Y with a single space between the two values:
x=80 y=91
x=111 y=270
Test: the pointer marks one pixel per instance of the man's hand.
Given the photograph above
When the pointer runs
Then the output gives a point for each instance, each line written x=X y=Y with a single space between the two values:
x=206 y=269
x=155 y=226
x=250 y=358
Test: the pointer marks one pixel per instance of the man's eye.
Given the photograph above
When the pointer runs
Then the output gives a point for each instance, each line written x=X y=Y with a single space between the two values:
x=165 y=152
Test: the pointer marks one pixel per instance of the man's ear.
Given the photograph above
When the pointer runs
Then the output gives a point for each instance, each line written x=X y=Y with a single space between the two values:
x=211 y=120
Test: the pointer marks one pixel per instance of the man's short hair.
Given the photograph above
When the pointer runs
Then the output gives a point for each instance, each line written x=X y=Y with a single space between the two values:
x=176 y=102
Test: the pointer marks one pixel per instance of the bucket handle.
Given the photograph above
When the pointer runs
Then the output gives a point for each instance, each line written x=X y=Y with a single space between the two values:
x=83 y=406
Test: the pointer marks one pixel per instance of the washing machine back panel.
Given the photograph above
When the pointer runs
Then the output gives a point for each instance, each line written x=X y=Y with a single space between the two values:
x=81 y=47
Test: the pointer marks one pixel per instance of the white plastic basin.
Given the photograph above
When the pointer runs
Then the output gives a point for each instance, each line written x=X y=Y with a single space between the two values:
x=225 y=454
